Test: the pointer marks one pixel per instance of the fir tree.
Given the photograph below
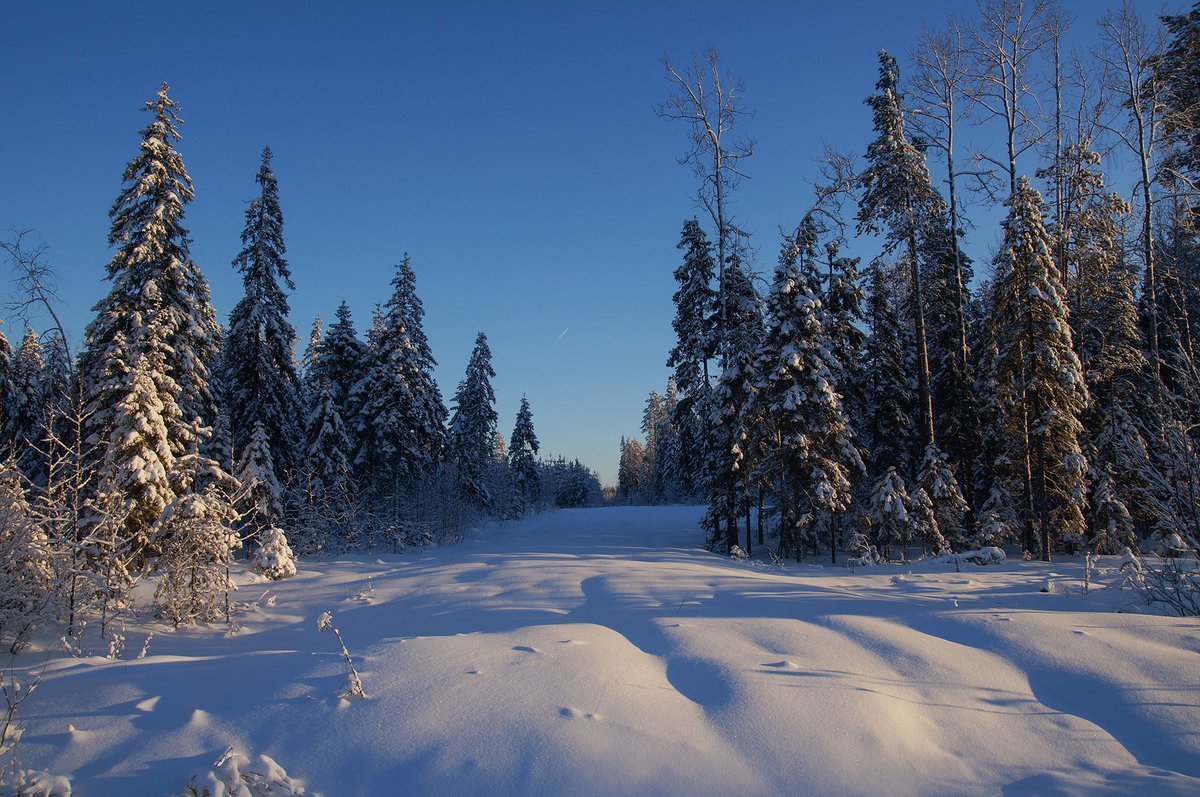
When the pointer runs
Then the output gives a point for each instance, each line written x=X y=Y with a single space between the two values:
x=473 y=424
x=148 y=350
x=1039 y=379
x=259 y=370
x=522 y=458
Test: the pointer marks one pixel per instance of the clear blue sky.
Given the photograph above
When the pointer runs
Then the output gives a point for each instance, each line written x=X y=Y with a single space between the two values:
x=511 y=148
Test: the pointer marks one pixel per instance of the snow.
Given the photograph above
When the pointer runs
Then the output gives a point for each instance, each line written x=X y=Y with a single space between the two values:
x=600 y=651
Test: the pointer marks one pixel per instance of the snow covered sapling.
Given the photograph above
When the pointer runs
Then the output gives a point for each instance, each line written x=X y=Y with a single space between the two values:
x=274 y=558
x=26 y=578
x=199 y=545
x=354 y=687
x=10 y=730
x=1172 y=583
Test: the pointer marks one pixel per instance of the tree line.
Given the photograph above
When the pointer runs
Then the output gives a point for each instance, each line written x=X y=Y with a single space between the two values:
x=869 y=407
x=169 y=441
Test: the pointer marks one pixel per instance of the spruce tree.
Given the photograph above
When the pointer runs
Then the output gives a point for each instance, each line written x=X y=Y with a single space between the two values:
x=147 y=352
x=473 y=424
x=812 y=452
x=339 y=361
x=262 y=496
x=631 y=471
x=522 y=458
x=27 y=588
x=845 y=304
x=898 y=199
x=199 y=543
x=1175 y=69
x=924 y=523
x=6 y=364
x=739 y=430
x=259 y=371
x=695 y=331
x=937 y=481
x=889 y=513
x=309 y=358
x=1111 y=348
x=947 y=275
x=668 y=474
x=327 y=451
x=137 y=469
x=399 y=417
x=1039 y=379
x=888 y=397
x=27 y=410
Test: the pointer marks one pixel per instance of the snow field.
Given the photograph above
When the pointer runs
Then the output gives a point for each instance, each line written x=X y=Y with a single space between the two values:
x=601 y=652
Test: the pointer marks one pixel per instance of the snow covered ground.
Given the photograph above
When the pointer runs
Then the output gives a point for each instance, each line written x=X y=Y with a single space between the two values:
x=601 y=651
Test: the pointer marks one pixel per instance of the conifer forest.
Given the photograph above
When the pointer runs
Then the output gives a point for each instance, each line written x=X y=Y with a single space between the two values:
x=917 y=510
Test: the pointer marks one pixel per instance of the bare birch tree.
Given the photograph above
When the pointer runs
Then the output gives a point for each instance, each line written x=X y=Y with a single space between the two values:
x=1005 y=44
x=1125 y=55
x=709 y=101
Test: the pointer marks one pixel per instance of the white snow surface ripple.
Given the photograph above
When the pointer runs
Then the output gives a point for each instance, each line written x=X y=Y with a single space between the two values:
x=601 y=651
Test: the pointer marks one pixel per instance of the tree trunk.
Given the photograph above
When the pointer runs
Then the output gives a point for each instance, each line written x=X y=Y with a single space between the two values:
x=923 y=395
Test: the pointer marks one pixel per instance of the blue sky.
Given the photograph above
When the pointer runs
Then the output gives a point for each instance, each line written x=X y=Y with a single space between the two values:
x=510 y=148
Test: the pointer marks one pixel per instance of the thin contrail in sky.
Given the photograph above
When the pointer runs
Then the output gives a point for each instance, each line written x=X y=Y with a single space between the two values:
x=560 y=334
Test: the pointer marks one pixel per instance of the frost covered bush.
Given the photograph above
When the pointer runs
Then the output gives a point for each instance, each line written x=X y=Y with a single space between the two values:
x=987 y=555
x=274 y=558
x=199 y=545
x=1171 y=583
x=237 y=775
x=26 y=579
x=32 y=783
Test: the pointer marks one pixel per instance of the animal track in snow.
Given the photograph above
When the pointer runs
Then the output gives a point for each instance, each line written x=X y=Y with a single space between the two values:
x=574 y=714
